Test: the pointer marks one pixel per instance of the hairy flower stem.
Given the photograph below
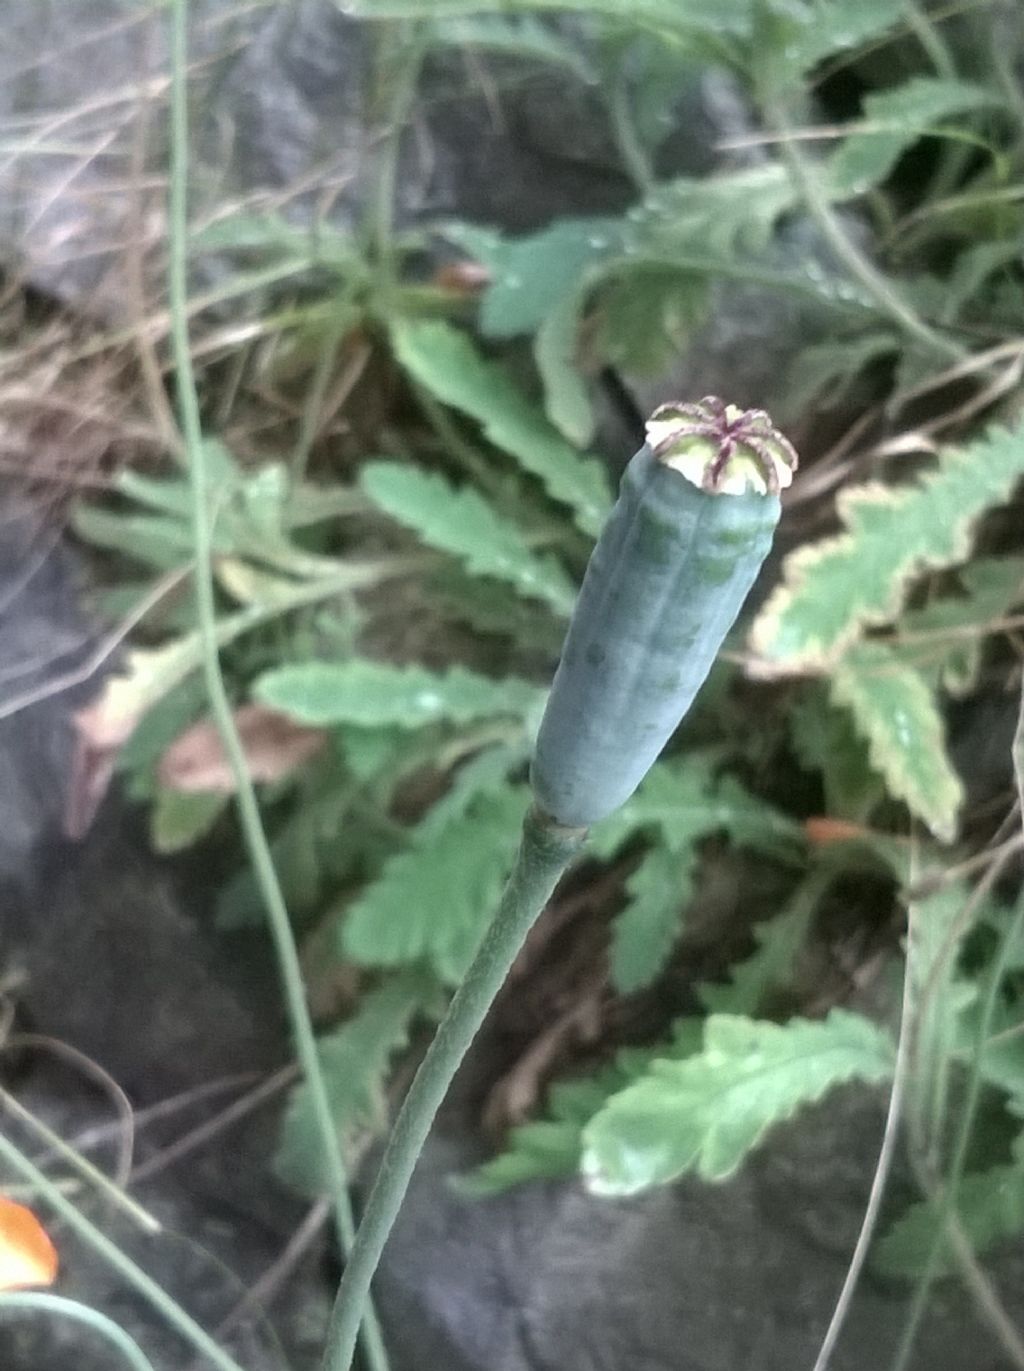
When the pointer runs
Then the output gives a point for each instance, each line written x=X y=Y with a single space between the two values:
x=545 y=850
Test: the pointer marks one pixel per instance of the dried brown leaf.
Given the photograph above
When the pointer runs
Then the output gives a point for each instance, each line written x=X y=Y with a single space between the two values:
x=274 y=747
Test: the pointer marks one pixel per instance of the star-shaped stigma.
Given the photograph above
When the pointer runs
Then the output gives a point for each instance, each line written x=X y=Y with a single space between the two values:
x=707 y=440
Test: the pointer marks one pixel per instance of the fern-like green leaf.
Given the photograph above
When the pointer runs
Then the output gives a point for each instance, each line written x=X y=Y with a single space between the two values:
x=897 y=714
x=803 y=32
x=646 y=313
x=460 y=521
x=678 y=804
x=989 y=1206
x=715 y=217
x=372 y=694
x=975 y=264
x=432 y=902
x=943 y=640
x=683 y=801
x=354 y=1059
x=530 y=273
x=897 y=119
x=566 y=398
x=706 y=1113
x=830 y=368
x=826 y=740
x=180 y=818
x=770 y=968
x=444 y=360
x=552 y=1146
x=834 y=588
x=644 y=933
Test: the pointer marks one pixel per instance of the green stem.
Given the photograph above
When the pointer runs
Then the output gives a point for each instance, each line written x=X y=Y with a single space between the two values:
x=545 y=850
x=947 y=1199
x=633 y=153
x=109 y=1252
x=920 y=23
x=874 y=283
x=883 y=1167
x=248 y=808
x=313 y=405
x=82 y=1165
x=81 y=1313
x=400 y=53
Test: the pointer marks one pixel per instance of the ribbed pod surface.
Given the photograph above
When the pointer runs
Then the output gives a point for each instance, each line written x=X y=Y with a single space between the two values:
x=664 y=585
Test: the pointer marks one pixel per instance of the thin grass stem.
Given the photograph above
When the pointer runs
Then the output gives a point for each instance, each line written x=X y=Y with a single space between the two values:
x=108 y=1251
x=248 y=808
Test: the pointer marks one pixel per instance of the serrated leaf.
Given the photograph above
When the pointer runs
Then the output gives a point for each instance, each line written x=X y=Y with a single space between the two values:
x=943 y=640
x=713 y=217
x=1002 y=1060
x=765 y=971
x=830 y=368
x=489 y=609
x=444 y=360
x=802 y=32
x=644 y=933
x=373 y=694
x=532 y=272
x=354 y=1059
x=972 y=269
x=180 y=818
x=706 y=1113
x=834 y=588
x=989 y=1206
x=552 y=1146
x=368 y=751
x=566 y=398
x=647 y=313
x=897 y=714
x=683 y=801
x=460 y=521
x=433 y=902
x=679 y=802
x=825 y=739
x=897 y=119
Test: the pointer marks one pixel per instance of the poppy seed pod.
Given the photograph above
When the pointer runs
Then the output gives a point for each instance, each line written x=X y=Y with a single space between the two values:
x=697 y=509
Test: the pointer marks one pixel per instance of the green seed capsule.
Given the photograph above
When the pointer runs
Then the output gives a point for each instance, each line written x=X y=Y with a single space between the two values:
x=696 y=512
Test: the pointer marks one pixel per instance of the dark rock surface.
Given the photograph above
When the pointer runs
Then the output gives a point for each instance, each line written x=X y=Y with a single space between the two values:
x=285 y=102
x=45 y=636
x=690 y=1278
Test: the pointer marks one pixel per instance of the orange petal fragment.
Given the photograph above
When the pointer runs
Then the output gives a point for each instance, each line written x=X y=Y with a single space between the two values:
x=27 y=1256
